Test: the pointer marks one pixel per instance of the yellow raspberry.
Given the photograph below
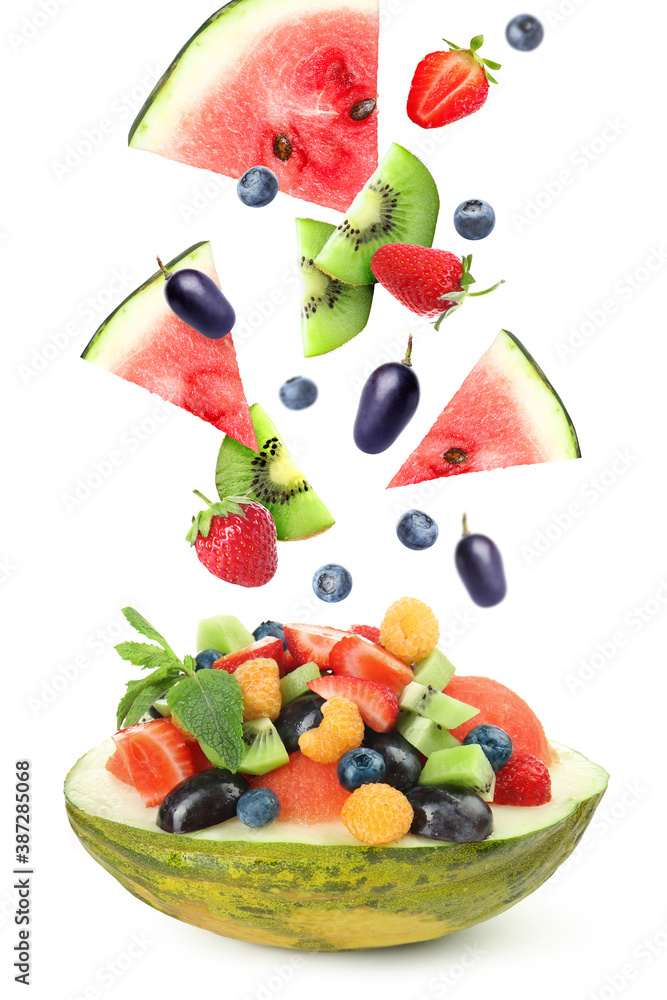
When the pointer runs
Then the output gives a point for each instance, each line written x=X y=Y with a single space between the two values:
x=260 y=683
x=377 y=814
x=340 y=730
x=409 y=630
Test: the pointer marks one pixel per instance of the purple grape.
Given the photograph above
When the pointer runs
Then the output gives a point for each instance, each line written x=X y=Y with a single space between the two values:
x=480 y=566
x=197 y=300
x=387 y=405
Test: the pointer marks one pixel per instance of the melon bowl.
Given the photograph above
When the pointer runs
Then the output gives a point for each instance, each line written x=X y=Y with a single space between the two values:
x=316 y=888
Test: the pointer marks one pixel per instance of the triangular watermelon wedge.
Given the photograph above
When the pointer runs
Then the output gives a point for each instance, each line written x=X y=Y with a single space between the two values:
x=279 y=83
x=144 y=342
x=505 y=413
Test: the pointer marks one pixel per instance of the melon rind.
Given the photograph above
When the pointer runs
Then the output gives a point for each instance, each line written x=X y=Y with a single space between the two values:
x=314 y=887
x=216 y=52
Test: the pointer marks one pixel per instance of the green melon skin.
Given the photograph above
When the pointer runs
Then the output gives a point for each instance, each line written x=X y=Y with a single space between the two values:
x=322 y=896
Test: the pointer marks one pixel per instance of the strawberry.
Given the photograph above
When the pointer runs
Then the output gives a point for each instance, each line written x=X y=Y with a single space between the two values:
x=377 y=704
x=449 y=85
x=312 y=643
x=368 y=631
x=235 y=539
x=268 y=647
x=523 y=781
x=431 y=283
x=355 y=656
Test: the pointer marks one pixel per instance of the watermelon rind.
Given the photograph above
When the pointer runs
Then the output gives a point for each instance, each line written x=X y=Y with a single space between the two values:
x=215 y=54
x=315 y=887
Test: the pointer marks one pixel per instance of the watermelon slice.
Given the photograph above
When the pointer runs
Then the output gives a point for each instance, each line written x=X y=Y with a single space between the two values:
x=274 y=82
x=505 y=413
x=144 y=342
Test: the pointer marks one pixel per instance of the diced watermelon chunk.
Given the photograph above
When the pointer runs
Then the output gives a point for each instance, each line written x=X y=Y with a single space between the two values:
x=309 y=792
x=156 y=758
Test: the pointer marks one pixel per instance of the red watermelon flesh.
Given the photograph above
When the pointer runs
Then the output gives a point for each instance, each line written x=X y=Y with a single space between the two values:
x=144 y=342
x=505 y=413
x=309 y=792
x=259 y=69
x=499 y=706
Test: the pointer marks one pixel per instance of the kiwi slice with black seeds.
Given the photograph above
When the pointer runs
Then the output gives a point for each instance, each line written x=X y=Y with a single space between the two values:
x=271 y=477
x=398 y=204
x=264 y=749
x=332 y=312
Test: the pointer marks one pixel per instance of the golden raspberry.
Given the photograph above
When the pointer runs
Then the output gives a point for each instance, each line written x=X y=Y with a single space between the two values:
x=409 y=630
x=377 y=814
x=260 y=683
x=341 y=729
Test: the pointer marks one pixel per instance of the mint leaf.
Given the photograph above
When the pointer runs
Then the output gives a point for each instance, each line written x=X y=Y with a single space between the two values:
x=139 y=623
x=209 y=704
x=138 y=692
x=146 y=656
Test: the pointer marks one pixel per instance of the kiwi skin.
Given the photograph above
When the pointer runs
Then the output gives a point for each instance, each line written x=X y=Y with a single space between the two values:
x=398 y=204
x=271 y=477
x=332 y=312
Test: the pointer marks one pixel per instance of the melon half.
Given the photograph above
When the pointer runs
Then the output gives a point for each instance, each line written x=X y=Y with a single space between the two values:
x=316 y=887
x=262 y=75
x=505 y=413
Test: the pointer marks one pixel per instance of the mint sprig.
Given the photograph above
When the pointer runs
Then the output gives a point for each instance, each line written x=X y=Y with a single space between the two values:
x=208 y=703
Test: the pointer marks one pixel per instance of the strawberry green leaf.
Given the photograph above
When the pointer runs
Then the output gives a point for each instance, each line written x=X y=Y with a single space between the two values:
x=490 y=64
x=209 y=704
x=476 y=43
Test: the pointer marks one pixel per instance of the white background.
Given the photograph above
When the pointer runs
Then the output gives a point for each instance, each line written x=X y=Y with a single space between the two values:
x=67 y=572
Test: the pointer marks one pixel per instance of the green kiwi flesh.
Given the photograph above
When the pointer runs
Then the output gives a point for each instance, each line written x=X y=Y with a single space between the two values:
x=264 y=749
x=271 y=477
x=332 y=312
x=398 y=204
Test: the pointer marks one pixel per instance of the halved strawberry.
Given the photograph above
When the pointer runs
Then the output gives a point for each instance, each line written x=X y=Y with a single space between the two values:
x=312 y=643
x=268 y=648
x=289 y=663
x=377 y=704
x=368 y=631
x=155 y=757
x=354 y=656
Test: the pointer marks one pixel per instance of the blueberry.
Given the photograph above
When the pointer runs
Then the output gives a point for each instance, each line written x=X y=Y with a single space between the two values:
x=206 y=658
x=296 y=718
x=401 y=760
x=443 y=813
x=297 y=393
x=332 y=583
x=360 y=767
x=474 y=219
x=258 y=807
x=416 y=530
x=524 y=32
x=272 y=629
x=495 y=743
x=258 y=187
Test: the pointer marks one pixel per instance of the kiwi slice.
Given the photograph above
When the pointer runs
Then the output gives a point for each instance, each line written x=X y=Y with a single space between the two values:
x=331 y=311
x=271 y=477
x=294 y=684
x=264 y=748
x=435 y=669
x=222 y=632
x=399 y=204
x=425 y=734
x=425 y=700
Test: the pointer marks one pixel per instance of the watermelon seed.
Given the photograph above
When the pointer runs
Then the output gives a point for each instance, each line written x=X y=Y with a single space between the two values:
x=362 y=110
x=282 y=147
x=455 y=456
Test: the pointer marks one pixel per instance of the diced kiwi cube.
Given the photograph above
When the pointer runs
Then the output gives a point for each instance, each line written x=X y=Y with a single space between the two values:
x=294 y=684
x=425 y=700
x=265 y=750
x=463 y=767
x=222 y=632
x=435 y=669
x=424 y=734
